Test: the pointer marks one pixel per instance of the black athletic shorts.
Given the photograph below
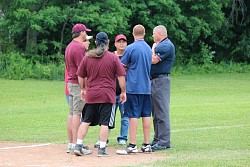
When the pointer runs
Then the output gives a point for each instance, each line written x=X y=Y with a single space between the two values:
x=99 y=114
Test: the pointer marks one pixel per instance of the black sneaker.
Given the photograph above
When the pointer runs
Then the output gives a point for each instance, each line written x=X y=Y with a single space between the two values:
x=146 y=148
x=153 y=142
x=158 y=147
x=102 y=152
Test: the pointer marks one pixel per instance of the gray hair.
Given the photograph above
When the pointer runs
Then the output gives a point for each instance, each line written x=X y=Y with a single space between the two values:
x=161 y=30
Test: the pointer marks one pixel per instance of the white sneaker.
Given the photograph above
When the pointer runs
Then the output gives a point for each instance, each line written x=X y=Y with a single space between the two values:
x=146 y=148
x=70 y=148
x=127 y=150
x=122 y=142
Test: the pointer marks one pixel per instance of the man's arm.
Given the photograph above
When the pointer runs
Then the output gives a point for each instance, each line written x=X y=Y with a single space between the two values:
x=122 y=84
x=82 y=83
x=155 y=59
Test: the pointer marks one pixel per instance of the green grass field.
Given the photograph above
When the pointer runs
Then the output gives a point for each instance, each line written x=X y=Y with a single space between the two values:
x=210 y=118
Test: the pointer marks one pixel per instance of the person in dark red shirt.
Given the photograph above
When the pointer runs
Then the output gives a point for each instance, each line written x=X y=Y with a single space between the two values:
x=97 y=77
x=74 y=54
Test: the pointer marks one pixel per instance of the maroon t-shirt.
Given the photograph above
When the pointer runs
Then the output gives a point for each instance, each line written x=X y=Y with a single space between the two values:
x=101 y=76
x=74 y=54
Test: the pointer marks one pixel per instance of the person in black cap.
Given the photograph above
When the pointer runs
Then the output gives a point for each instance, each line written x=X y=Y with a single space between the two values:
x=74 y=53
x=99 y=70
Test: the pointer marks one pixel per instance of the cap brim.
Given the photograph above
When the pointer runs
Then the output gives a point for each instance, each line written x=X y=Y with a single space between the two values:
x=87 y=29
x=89 y=37
x=120 y=39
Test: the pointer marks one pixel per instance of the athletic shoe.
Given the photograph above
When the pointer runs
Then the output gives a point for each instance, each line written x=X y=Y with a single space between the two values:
x=97 y=144
x=146 y=148
x=122 y=142
x=127 y=150
x=85 y=147
x=79 y=150
x=102 y=152
x=70 y=148
x=153 y=142
x=157 y=147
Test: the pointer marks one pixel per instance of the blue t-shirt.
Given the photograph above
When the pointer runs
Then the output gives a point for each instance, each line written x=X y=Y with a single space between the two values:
x=137 y=57
x=165 y=51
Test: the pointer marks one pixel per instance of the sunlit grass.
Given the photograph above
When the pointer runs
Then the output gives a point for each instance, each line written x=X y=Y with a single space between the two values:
x=209 y=118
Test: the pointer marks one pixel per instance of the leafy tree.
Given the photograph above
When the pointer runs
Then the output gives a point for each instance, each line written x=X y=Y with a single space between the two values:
x=34 y=25
x=103 y=15
x=26 y=21
x=202 y=19
x=239 y=20
x=204 y=31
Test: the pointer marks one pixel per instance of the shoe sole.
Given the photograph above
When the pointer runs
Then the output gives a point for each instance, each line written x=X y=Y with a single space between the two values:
x=87 y=153
x=145 y=152
x=78 y=153
x=100 y=155
x=132 y=153
x=153 y=150
x=128 y=153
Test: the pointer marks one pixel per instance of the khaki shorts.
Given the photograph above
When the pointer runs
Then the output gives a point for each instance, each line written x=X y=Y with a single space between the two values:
x=75 y=103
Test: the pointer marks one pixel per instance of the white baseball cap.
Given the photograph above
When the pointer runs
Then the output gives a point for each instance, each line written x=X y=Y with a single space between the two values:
x=89 y=37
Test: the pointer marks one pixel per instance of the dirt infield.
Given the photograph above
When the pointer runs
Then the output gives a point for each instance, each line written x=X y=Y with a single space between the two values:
x=43 y=155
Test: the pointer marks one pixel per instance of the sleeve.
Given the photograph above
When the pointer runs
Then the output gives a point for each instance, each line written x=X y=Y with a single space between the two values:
x=81 y=72
x=125 y=57
x=162 y=51
x=80 y=54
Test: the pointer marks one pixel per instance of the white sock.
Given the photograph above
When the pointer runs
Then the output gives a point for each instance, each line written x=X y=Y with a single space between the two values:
x=102 y=144
x=79 y=141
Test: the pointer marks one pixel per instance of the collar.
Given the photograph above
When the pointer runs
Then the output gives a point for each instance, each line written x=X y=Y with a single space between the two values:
x=139 y=39
x=165 y=39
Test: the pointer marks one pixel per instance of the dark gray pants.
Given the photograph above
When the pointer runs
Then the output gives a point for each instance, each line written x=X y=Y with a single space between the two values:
x=160 y=92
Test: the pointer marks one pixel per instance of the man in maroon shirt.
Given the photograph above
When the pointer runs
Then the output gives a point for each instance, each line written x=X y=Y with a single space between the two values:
x=74 y=54
x=97 y=77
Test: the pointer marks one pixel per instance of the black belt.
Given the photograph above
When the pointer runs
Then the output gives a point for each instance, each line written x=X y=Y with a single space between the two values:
x=159 y=76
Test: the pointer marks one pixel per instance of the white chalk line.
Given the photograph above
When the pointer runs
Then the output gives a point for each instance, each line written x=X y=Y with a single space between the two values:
x=174 y=130
x=28 y=146
x=196 y=129
x=208 y=128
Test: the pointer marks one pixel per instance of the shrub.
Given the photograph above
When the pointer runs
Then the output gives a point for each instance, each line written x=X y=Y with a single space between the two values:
x=15 y=66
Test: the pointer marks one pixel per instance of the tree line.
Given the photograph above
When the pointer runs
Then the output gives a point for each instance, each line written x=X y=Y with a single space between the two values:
x=203 y=31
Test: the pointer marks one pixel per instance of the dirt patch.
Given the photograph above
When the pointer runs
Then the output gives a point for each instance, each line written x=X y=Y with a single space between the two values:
x=43 y=155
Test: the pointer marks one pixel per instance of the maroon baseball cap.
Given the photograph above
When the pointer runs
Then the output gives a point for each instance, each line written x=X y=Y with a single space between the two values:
x=79 y=27
x=119 y=37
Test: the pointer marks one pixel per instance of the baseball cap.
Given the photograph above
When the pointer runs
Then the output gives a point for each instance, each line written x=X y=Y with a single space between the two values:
x=120 y=36
x=89 y=37
x=102 y=38
x=79 y=27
